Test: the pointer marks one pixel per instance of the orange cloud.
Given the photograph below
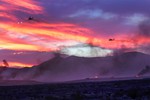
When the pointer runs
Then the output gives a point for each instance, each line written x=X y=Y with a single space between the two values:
x=34 y=35
x=39 y=33
x=2 y=8
x=7 y=15
x=29 y=6
x=41 y=36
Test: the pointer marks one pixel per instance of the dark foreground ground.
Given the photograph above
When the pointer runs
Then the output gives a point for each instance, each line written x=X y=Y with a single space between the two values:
x=138 y=89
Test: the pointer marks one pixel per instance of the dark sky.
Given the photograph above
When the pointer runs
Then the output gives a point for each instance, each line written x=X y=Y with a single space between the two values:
x=71 y=24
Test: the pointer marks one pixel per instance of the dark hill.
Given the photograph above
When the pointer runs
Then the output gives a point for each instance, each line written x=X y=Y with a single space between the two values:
x=62 y=68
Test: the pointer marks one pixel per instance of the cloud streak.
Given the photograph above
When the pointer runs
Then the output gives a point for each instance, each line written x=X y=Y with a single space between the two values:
x=93 y=13
x=28 y=6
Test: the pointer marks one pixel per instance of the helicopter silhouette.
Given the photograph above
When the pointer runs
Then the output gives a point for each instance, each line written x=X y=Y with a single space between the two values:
x=30 y=18
x=111 y=39
x=33 y=19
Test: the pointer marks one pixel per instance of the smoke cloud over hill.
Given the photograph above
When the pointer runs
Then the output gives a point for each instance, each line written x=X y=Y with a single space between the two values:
x=65 y=68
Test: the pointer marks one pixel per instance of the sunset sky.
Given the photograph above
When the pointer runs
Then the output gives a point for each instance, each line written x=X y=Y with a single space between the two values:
x=70 y=26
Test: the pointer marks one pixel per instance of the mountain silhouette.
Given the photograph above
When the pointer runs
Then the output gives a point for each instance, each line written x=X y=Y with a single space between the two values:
x=62 y=68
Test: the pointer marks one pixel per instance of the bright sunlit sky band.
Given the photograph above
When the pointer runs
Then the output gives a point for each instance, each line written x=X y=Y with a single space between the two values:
x=75 y=27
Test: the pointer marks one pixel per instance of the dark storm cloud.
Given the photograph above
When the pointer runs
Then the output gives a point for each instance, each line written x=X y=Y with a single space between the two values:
x=144 y=28
x=144 y=31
